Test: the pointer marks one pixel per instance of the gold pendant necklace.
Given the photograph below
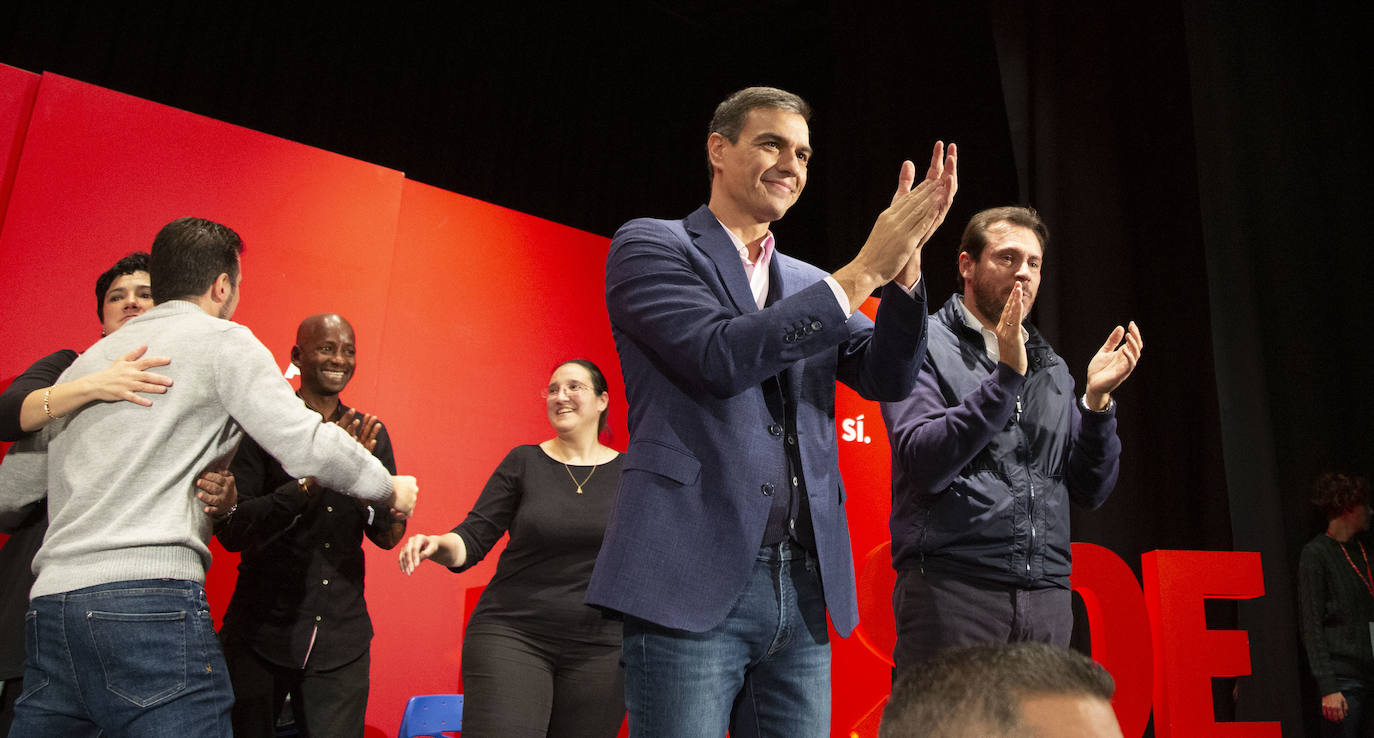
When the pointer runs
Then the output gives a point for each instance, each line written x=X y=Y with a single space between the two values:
x=584 y=481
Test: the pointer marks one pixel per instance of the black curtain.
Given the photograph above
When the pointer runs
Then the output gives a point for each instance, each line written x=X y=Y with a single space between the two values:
x=1283 y=124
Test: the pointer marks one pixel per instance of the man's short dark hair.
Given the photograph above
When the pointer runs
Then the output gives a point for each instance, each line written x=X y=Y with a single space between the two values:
x=976 y=232
x=730 y=114
x=1338 y=494
x=977 y=690
x=135 y=262
x=188 y=256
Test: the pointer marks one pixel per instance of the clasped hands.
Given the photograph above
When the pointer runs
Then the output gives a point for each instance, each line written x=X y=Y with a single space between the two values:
x=893 y=249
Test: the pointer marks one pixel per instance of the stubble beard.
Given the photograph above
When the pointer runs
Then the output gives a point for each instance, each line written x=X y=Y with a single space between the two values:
x=226 y=311
x=991 y=304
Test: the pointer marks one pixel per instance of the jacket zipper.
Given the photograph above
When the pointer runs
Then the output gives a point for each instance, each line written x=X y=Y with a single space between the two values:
x=1030 y=482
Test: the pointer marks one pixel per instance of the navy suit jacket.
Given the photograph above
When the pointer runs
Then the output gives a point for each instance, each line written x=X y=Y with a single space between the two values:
x=702 y=461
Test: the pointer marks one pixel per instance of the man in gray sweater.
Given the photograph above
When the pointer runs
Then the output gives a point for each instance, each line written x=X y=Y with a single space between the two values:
x=120 y=637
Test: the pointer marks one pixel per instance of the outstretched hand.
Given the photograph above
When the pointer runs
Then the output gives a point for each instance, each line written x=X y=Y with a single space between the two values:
x=418 y=548
x=1113 y=363
x=129 y=375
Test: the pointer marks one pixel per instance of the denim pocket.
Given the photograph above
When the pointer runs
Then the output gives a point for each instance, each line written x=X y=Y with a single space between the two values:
x=34 y=677
x=143 y=655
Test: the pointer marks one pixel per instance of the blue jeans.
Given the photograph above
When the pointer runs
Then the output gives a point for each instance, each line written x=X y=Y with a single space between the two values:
x=763 y=671
x=135 y=658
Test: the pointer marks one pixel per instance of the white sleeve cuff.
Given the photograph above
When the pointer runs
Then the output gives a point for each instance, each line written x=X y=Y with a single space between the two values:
x=840 y=296
x=843 y=299
x=911 y=291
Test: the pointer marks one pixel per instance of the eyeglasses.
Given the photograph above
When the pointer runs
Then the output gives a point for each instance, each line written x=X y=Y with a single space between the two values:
x=571 y=388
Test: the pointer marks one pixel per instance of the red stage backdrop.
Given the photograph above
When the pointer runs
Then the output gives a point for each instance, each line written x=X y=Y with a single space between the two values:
x=461 y=310
x=17 y=90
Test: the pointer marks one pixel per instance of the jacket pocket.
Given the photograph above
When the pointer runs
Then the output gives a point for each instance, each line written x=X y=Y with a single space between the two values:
x=679 y=465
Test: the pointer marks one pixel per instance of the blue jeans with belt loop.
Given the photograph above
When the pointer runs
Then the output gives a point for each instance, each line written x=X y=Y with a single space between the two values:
x=137 y=658
x=763 y=672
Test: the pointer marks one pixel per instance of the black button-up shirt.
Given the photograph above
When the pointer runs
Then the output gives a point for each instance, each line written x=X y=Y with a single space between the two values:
x=299 y=595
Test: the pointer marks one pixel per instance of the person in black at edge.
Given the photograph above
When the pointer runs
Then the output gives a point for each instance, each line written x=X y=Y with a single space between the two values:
x=122 y=292
x=1336 y=598
x=297 y=622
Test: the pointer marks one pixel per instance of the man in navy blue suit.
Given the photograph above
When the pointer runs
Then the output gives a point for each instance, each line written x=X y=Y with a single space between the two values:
x=728 y=542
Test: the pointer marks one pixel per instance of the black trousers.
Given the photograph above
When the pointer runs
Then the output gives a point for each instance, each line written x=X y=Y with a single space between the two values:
x=521 y=685
x=328 y=703
x=11 y=690
x=936 y=612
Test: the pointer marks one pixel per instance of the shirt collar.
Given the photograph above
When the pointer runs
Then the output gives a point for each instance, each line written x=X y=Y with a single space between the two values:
x=765 y=253
x=338 y=411
x=989 y=337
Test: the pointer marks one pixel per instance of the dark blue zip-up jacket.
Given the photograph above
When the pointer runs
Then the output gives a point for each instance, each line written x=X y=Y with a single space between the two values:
x=985 y=461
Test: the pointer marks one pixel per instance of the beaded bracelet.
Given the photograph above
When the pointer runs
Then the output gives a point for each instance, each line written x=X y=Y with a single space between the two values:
x=47 y=410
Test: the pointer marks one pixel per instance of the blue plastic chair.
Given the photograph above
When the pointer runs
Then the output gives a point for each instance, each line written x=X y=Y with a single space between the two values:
x=434 y=715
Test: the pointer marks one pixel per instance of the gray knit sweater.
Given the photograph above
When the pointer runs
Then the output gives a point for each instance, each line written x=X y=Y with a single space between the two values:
x=120 y=477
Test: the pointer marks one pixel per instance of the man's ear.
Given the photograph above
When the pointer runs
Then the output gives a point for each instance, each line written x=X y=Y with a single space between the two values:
x=966 y=265
x=296 y=356
x=715 y=148
x=223 y=287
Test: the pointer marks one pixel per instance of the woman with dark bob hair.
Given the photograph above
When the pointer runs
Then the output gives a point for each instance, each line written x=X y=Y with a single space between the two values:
x=537 y=661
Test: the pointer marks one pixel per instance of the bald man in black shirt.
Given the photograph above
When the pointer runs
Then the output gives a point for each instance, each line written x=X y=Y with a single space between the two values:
x=298 y=623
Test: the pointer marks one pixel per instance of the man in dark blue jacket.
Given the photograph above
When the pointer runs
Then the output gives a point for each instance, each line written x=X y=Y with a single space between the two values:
x=988 y=451
x=728 y=542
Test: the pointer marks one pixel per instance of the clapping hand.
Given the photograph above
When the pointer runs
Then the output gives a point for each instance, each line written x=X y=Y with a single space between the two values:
x=1011 y=345
x=364 y=430
x=1113 y=363
x=892 y=251
x=942 y=178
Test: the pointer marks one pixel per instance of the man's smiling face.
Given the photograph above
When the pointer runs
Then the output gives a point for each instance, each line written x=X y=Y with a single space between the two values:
x=762 y=174
x=325 y=356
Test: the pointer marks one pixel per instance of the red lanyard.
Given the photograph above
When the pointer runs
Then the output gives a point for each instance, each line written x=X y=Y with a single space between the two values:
x=1366 y=577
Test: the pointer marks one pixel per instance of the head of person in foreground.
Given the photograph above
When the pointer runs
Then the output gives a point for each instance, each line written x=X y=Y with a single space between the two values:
x=1024 y=690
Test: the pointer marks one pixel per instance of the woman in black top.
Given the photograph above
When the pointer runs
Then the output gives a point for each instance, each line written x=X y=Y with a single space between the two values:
x=537 y=661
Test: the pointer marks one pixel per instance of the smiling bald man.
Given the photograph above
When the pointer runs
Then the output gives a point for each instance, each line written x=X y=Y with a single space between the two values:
x=298 y=623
